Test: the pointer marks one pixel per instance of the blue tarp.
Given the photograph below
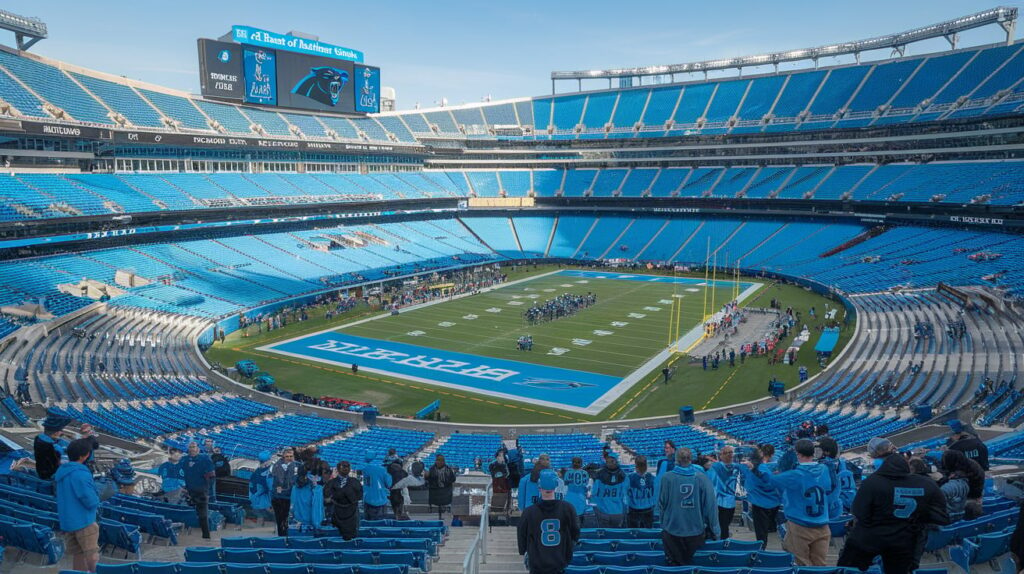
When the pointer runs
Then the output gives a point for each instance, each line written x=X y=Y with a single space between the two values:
x=827 y=342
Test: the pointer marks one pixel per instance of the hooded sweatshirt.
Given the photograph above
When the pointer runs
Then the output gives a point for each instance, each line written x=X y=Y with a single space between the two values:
x=760 y=491
x=893 y=506
x=172 y=476
x=724 y=477
x=804 y=493
x=609 y=491
x=376 y=483
x=547 y=534
x=640 y=494
x=77 y=500
x=686 y=502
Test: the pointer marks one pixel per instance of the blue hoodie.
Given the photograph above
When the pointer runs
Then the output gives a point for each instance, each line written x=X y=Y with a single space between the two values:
x=760 y=492
x=609 y=491
x=686 y=502
x=804 y=493
x=77 y=500
x=640 y=493
x=172 y=475
x=376 y=483
x=198 y=471
x=835 y=502
x=576 y=481
x=724 y=477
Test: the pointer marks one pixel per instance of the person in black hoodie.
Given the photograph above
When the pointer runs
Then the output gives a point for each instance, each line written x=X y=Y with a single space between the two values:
x=892 y=509
x=344 y=493
x=548 y=530
x=49 y=445
x=965 y=440
x=955 y=464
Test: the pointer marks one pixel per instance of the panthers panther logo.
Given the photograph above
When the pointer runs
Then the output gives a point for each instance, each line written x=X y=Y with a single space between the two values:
x=322 y=84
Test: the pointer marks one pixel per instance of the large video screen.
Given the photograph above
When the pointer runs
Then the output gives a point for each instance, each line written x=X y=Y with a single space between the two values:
x=314 y=83
x=260 y=65
x=269 y=77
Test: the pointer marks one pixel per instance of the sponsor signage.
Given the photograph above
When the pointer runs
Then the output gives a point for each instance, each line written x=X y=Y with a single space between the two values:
x=263 y=38
x=220 y=69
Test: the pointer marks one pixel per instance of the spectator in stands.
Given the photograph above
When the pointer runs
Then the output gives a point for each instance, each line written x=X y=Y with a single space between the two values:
x=498 y=469
x=608 y=493
x=840 y=475
x=724 y=475
x=49 y=446
x=400 y=483
x=640 y=496
x=172 y=477
x=957 y=466
x=344 y=493
x=198 y=474
x=123 y=476
x=965 y=440
x=804 y=503
x=376 y=488
x=77 y=503
x=548 y=530
x=260 y=483
x=440 y=484
x=764 y=499
x=307 y=493
x=392 y=456
x=528 y=491
x=284 y=472
x=688 y=510
x=576 y=481
x=221 y=463
x=514 y=457
x=89 y=433
x=893 y=507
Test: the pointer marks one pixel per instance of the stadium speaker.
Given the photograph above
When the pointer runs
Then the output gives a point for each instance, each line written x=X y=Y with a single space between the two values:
x=686 y=415
x=370 y=416
x=923 y=413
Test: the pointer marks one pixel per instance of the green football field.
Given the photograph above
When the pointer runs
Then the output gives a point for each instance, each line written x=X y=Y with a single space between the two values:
x=494 y=335
x=627 y=326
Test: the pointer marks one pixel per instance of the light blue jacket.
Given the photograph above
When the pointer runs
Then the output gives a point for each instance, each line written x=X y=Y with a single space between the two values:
x=686 y=503
x=77 y=500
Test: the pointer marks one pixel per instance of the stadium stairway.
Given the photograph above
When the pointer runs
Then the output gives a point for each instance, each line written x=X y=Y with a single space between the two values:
x=502 y=552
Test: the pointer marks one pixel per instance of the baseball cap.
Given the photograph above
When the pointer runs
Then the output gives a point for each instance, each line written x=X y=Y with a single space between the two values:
x=879 y=447
x=956 y=426
x=548 y=480
x=264 y=456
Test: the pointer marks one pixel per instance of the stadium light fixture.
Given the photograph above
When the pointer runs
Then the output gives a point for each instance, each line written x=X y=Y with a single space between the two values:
x=1003 y=16
x=27 y=31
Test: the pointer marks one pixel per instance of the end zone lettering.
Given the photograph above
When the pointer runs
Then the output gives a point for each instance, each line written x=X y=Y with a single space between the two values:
x=416 y=361
x=975 y=220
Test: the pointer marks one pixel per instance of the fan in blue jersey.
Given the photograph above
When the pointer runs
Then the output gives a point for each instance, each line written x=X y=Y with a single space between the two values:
x=841 y=497
x=764 y=499
x=529 y=489
x=724 y=475
x=576 y=481
x=664 y=465
x=640 y=496
x=608 y=493
x=688 y=510
x=548 y=530
x=805 y=503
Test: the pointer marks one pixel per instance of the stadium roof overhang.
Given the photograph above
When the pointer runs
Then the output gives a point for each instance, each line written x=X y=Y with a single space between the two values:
x=27 y=31
x=1004 y=16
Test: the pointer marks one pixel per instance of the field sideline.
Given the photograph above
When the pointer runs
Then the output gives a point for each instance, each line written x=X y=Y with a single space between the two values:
x=628 y=344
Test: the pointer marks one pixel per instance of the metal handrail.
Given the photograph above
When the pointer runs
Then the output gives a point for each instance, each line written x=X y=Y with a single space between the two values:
x=477 y=552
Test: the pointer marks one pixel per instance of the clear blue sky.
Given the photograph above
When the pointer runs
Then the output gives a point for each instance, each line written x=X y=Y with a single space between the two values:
x=464 y=50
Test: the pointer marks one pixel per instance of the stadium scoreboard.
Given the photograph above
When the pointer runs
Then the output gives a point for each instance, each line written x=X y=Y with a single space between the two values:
x=269 y=69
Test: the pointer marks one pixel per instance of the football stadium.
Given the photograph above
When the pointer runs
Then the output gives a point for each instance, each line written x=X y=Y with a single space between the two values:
x=759 y=314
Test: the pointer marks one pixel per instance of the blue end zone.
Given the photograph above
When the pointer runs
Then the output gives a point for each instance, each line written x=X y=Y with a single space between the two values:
x=538 y=384
x=648 y=278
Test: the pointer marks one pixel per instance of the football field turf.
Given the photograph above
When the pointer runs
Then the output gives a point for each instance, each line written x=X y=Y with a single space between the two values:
x=403 y=396
x=581 y=362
